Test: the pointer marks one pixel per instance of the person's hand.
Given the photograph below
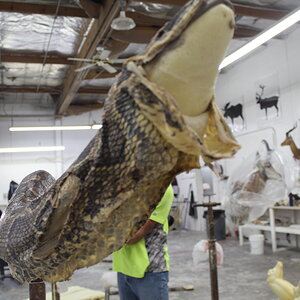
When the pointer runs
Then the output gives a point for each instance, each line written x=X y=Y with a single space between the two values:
x=132 y=241
x=145 y=229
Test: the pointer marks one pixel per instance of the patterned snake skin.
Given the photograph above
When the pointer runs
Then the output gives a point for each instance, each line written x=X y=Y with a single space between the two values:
x=53 y=227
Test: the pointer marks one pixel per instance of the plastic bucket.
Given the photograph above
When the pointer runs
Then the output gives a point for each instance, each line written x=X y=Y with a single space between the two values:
x=256 y=244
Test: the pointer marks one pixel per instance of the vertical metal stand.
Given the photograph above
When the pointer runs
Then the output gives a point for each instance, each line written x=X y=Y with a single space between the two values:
x=54 y=290
x=212 y=248
x=107 y=294
x=37 y=290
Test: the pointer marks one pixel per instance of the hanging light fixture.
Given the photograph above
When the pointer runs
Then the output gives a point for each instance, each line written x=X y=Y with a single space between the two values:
x=122 y=22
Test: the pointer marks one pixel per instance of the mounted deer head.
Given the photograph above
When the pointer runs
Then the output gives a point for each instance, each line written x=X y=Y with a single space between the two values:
x=290 y=142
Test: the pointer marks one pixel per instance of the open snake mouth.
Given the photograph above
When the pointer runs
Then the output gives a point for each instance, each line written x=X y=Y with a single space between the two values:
x=186 y=53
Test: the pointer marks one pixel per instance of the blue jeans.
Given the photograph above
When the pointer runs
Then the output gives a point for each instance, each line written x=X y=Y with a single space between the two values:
x=153 y=286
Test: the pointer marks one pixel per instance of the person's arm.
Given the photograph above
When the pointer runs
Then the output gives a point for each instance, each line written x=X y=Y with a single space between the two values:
x=144 y=230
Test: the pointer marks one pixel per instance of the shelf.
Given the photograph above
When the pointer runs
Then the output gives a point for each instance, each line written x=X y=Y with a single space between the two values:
x=257 y=227
x=286 y=207
x=292 y=230
x=272 y=228
x=279 y=229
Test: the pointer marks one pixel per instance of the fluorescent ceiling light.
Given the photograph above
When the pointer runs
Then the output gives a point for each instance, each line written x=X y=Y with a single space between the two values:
x=282 y=25
x=32 y=149
x=96 y=126
x=50 y=128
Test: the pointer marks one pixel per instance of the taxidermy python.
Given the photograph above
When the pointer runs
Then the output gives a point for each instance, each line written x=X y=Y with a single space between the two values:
x=159 y=117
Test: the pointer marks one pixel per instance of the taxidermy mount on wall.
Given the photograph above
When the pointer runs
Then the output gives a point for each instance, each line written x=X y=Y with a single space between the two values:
x=160 y=116
x=233 y=111
x=289 y=141
x=267 y=102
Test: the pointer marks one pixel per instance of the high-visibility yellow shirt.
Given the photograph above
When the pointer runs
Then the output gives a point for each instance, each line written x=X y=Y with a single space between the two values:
x=133 y=260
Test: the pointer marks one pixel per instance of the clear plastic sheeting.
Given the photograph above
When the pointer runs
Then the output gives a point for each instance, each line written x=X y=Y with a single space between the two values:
x=159 y=11
x=201 y=253
x=18 y=74
x=32 y=32
x=292 y=171
x=257 y=184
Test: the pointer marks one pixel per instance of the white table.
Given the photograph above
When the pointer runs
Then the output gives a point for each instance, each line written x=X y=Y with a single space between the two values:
x=272 y=227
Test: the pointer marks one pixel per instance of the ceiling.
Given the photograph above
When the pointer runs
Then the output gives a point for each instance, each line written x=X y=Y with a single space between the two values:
x=37 y=38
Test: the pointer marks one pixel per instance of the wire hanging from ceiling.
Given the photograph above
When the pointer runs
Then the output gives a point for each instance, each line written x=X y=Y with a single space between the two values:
x=48 y=45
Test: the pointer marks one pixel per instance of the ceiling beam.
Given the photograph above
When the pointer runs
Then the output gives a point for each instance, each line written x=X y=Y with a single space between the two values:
x=77 y=109
x=260 y=12
x=34 y=58
x=92 y=9
x=50 y=90
x=42 y=9
x=145 y=20
x=98 y=32
x=167 y=2
x=90 y=90
x=138 y=35
x=245 y=32
x=28 y=89
x=99 y=73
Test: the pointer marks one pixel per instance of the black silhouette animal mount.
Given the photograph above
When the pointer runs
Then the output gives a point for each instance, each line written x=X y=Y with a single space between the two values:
x=233 y=111
x=268 y=102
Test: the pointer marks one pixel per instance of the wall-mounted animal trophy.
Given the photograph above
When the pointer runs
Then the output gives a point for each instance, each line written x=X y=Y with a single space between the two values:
x=233 y=111
x=290 y=142
x=268 y=102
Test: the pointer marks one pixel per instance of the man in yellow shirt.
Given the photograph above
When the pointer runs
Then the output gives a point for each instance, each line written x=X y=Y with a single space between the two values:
x=143 y=263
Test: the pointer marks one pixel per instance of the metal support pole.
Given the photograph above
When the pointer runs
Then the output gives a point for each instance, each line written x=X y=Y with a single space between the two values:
x=54 y=290
x=212 y=249
x=37 y=290
x=107 y=294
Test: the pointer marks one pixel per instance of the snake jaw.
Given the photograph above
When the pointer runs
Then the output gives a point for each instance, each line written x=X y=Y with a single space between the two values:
x=188 y=66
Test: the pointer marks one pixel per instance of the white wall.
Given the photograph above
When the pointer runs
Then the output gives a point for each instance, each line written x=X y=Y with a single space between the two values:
x=278 y=65
x=15 y=166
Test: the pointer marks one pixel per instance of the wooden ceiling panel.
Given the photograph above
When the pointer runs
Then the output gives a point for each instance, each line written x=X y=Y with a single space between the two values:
x=50 y=90
x=34 y=58
x=138 y=35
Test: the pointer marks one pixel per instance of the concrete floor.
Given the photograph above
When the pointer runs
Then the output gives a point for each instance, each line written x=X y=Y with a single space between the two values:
x=242 y=276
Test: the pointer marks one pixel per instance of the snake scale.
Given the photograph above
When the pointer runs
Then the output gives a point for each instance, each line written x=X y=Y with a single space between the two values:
x=159 y=117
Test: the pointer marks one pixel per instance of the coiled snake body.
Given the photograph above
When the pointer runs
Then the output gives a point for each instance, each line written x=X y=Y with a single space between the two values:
x=53 y=227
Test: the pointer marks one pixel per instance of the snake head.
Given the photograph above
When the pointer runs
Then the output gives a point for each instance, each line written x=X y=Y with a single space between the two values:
x=185 y=54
